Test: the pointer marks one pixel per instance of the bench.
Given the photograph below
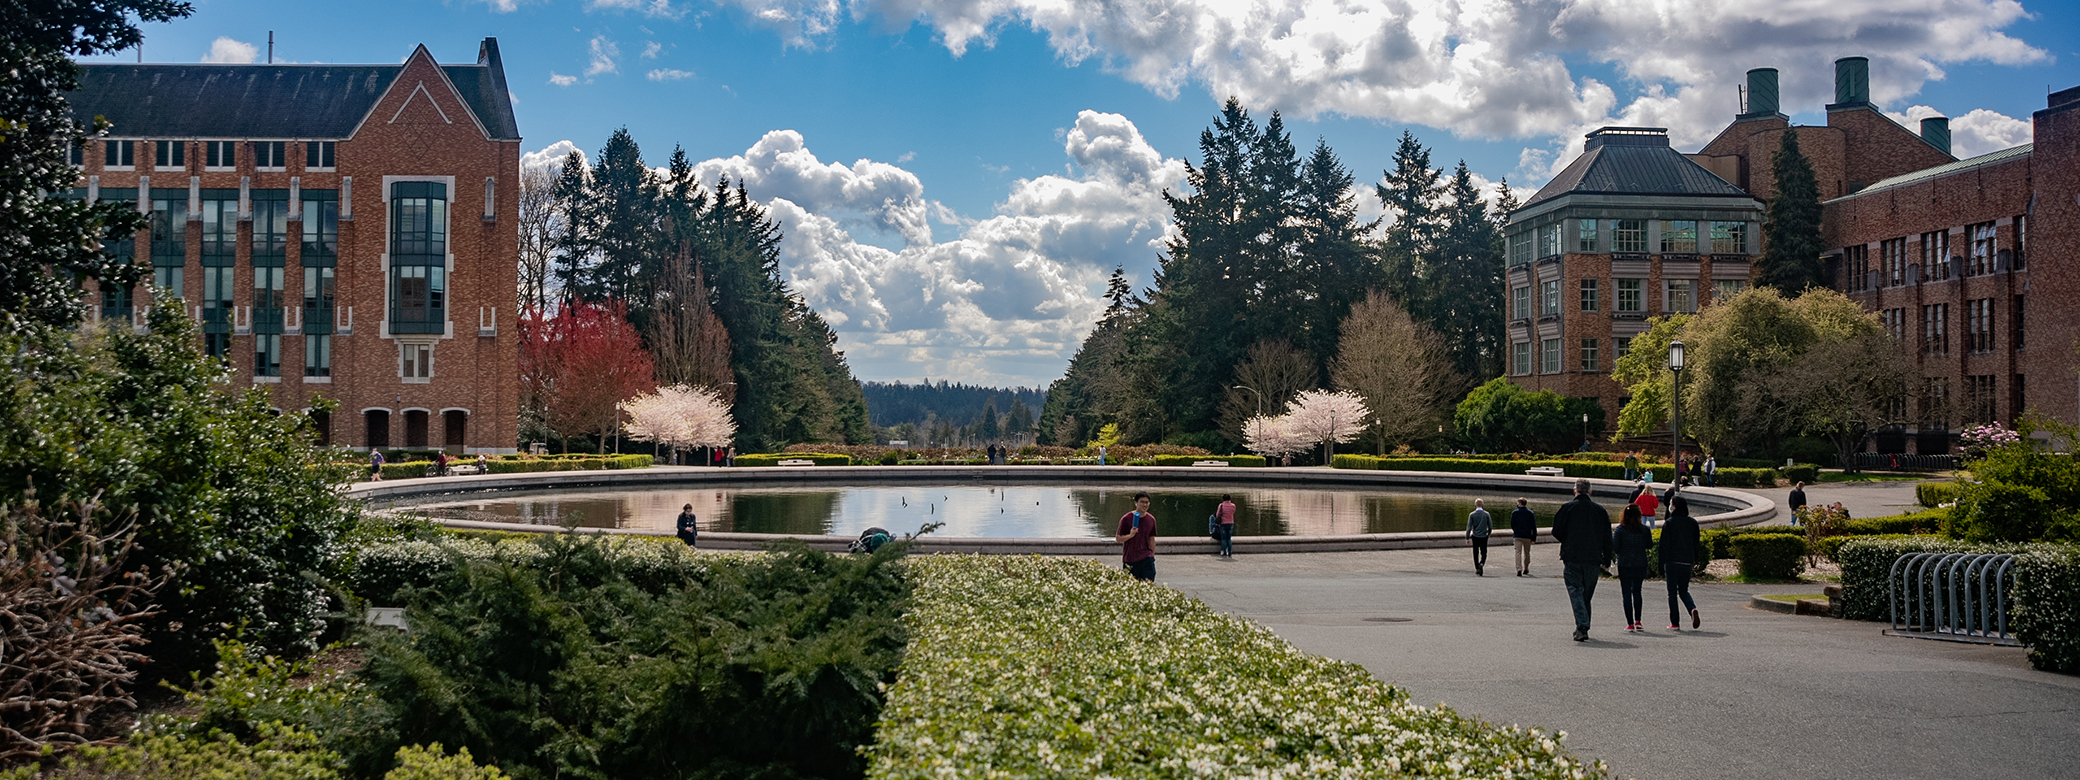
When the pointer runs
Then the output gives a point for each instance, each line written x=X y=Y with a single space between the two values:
x=796 y=462
x=458 y=471
x=1546 y=471
x=1209 y=463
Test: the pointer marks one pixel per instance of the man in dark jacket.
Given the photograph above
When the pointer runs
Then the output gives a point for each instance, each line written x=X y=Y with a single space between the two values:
x=1584 y=532
x=1524 y=526
x=689 y=532
x=1681 y=551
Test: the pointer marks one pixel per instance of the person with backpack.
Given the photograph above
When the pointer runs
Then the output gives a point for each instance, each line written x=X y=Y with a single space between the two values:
x=1224 y=525
x=1523 y=524
x=1681 y=547
x=1630 y=542
x=870 y=540
x=688 y=531
x=1583 y=530
x=1478 y=527
x=1137 y=539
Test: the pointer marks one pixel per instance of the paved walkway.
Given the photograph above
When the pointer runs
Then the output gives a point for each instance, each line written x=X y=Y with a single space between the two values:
x=1754 y=694
x=1862 y=499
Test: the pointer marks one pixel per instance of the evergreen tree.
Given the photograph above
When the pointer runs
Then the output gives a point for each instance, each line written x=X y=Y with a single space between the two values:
x=1790 y=260
x=1465 y=284
x=624 y=196
x=575 y=215
x=1335 y=266
x=989 y=419
x=1019 y=419
x=1410 y=191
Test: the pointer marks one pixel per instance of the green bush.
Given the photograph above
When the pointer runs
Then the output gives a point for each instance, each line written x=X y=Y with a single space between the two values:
x=1232 y=460
x=1867 y=561
x=1803 y=472
x=2047 y=614
x=1032 y=666
x=1746 y=477
x=774 y=458
x=382 y=573
x=1573 y=468
x=890 y=458
x=2009 y=512
x=569 y=463
x=1718 y=542
x=1770 y=556
x=1502 y=416
x=1210 y=441
x=1935 y=494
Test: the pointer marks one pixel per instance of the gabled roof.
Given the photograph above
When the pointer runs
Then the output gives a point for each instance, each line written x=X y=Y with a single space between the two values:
x=1946 y=169
x=269 y=101
x=1634 y=161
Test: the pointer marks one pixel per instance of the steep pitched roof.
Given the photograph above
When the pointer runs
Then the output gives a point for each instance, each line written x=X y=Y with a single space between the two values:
x=269 y=101
x=1634 y=161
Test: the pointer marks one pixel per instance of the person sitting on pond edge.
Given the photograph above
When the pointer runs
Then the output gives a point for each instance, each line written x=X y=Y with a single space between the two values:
x=1584 y=532
x=1137 y=538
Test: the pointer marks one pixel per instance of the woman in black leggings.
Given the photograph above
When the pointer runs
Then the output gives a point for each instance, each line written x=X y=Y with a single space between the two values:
x=1680 y=553
x=1630 y=542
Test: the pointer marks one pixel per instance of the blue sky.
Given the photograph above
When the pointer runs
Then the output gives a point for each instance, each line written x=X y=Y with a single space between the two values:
x=956 y=177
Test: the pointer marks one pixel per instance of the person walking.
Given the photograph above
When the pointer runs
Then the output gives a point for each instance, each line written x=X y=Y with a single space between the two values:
x=1680 y=547
x=375 y=465
x=1711 y=471
x=1631 y=466
x=1629 y=543
x=1478 y=527
x=1137 y=538
x=1797 y=501
x=688 y=531
x=1583 y=530
x=440 y=463
x=1226 y=513
x=1523 y=524
x=1648 y=504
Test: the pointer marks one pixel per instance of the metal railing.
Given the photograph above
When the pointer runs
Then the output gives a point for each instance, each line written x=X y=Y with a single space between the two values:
x=1875 y=461
x=1959 y=597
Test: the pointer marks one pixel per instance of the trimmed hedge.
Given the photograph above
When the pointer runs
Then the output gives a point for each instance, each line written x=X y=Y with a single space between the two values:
x=2047 y=614
x=1804 y=472
x=1746 y=477
x=1867 y=561
x=1718 y=542
x=1031 y=666
x=1573 y=468
x=380 y=573
x=1770 y=556
x=1232 y=460
x=774 y=458
x=1935 y=494
x=585 y=463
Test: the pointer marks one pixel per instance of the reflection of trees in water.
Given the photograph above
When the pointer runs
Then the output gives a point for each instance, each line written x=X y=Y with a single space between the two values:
x=784 y=513
x=1177 y=513
x=1299 y=512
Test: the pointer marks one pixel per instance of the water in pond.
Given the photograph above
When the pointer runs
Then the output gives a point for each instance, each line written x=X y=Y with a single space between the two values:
x=982 y=510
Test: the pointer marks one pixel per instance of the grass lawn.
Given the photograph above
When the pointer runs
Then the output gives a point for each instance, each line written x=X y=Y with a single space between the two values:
x=1793 y=598
x=1874 y=476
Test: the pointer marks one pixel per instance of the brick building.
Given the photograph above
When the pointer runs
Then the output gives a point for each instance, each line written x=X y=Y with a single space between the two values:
x=385 y=195
x=1936 y=245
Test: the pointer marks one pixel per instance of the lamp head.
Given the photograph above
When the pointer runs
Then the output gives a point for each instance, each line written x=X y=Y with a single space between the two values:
x=1675 y=355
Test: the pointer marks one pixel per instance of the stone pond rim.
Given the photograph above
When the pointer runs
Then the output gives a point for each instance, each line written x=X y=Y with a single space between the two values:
x=1715 y=507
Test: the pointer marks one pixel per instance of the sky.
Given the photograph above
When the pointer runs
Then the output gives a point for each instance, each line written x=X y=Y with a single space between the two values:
x=955 y=179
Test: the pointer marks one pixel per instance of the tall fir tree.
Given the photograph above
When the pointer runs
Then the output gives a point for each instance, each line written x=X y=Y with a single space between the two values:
x=573 y=261
x=1411 y=192
x=1335 y=267
x=625 y=201
x=1792 y=244
x=1465 y=284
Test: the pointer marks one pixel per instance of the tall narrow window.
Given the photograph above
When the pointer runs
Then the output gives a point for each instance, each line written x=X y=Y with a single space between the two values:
x=1935 y=255
x=317 y=155
x=270 y=155
x=1591 y=361
x=1551 y=359
x=1550 y=297
x=169 y=243
x=1589 y=295
x=219 y=155
x=1629 y=235
x=1979 y=324
x=2015 y=313
x=317 y=356
x=1680 y=297
x=217 y=305
x=1520 y=300
x=1620 y=347
x=1856 y=267
x=1935 y=329
x=267 y=294
x=120 y=155
x=76 y=154
x=1585 y=235
x=318 y=299
x=1892 y=254
x=1520 y=247
x=1520 y=358
x=2021 y=242
x=1981 y=258
x=416 y=361
x=1549 y=240
x=418 y=257
x=267 y=354
x=1729 y=238
x=1631 y=296
x=1723 y=289
x=1896 y=323
x=170 y=155
x=320 y=225
x=270 y=227
x=219 y=226
x=1679 y=237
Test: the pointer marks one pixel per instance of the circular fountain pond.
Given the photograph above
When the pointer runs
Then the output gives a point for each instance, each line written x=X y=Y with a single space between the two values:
x=982 y=510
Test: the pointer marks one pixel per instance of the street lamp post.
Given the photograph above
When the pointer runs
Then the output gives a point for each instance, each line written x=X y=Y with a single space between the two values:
x=1675 y=404
x=1585 y=431
x=1260 y=397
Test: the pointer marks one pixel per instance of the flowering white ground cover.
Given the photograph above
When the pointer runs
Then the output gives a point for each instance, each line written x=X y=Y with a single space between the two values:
x=1026 y=666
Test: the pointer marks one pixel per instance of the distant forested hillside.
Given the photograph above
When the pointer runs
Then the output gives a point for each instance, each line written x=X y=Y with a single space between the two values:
x=893 y=403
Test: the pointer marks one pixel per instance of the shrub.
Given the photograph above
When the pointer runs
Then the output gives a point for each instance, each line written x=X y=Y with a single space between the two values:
x=1803 y=472
x=279 y=752
x=1029 y=666
x=1746 y=477
x=1770 y=556
x=774 y=458
x=578 y=463
x=1232 y=460
x=1935 y=494
x=1574 y=468
x=2047 y=615
x=382 y=573
x=1500 y=415
x=1867 y=561
x=2009 y=512
x=1211 y=441
x=890 y=458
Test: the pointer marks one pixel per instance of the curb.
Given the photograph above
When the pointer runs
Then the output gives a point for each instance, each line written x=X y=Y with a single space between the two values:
x=1735 y=508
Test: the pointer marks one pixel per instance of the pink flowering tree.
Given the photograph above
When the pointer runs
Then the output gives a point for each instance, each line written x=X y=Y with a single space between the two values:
x=1328 y=418
x=680 y=417
x=1272 y=437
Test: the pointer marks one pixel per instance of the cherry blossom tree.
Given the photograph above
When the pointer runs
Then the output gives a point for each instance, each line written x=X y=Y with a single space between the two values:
x=1272 y=437
x=1328 y=418
x=680 y=417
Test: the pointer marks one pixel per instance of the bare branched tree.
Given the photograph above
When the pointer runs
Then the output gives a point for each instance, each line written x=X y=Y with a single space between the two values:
x=537 y=235
x=690 y=343
x=1272 y=368
x=71 y=622
x=1398 y=366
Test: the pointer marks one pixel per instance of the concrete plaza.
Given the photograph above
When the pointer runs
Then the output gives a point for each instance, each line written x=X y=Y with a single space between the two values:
x=1752 y=695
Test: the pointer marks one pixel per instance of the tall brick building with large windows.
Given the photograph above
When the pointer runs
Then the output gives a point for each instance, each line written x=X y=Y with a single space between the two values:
x=1951 y=253
x=339 y=231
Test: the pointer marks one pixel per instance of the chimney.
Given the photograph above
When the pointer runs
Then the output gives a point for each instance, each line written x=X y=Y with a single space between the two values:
x=1936 y=131
x=1852 y=80
x=1762 y=92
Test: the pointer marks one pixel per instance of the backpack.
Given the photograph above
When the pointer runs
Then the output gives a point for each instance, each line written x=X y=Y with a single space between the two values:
x=869 y=540
x=1213 y=524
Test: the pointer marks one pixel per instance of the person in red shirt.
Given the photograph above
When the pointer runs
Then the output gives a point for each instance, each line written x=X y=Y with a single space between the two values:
x=1648 y=505
x=1227 y=529
x=1137 y=537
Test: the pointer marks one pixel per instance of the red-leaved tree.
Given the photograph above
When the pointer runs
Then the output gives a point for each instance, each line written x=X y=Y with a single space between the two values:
x=577 y=366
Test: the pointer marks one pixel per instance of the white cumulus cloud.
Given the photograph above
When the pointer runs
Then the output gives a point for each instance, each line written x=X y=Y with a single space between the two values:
x=604 y=57
x=1977 y=132
x=225 y=50
x=561 y=80
x=550 y=156
x=668 y=74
